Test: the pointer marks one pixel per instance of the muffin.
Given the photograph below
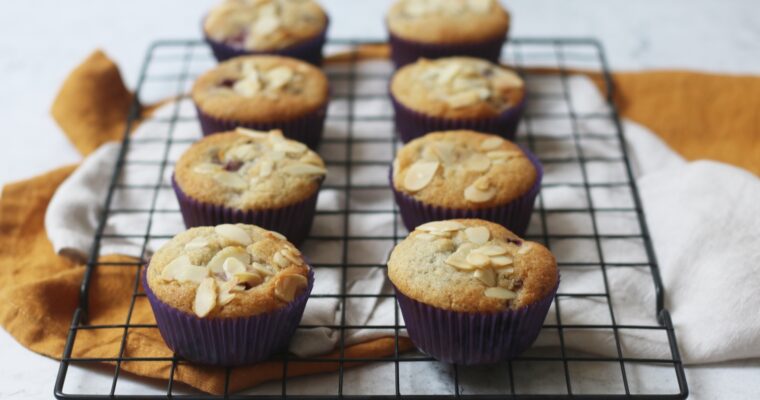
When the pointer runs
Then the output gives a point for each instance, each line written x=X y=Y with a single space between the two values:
x=444 y=28
x=293 y=28
x=456 y=93
x=250 y=177
x=465 y=174
x=263 y=92
x=229 y=294
x=470 y=291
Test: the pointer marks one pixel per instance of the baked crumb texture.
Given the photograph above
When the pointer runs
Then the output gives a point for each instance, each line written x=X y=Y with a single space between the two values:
x=262 y=25
x=249 y=170
x=448 y=21
x=471 y=265
x=456 y=93
x=227 y=271
x=444 y=28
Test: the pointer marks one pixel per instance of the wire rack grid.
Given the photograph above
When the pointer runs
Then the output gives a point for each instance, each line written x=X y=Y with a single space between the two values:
x=558 y=373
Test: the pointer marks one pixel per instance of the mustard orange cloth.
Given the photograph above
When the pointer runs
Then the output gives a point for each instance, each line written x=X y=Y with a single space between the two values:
x=699 y=115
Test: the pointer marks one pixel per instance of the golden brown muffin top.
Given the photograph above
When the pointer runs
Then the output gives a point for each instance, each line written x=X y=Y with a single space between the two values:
x=457 y=87
x=463 y=170
x=471 y=265
x=448 y=21
x=249 y=170
x=261 y=25
x=227 y=271
x=261 y=89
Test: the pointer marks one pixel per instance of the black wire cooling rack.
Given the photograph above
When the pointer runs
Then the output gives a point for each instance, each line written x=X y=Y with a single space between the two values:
x=558 y=373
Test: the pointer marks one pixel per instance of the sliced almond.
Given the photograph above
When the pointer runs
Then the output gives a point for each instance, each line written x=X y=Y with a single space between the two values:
x=491 y=250
x=440 y=226
x=505 y=271
x=233 y=233
x=243 y=152
x=525 y=248
x=280 y=260
x=477 y=163
x=303 y=169
x=216 y=264
x=174 y=268
x=205 y=298
x=290 y=147
x=192 y=273
x=289 y=285
x=230 y=180
x=420 y=174
x=487 y=276
x=253 y=134
x=248 y=87
x=475 y=195
x=265 y=168
x=500 y=293
x=463 y=99
x=278 y=77
x=444 y=245
x=482 y=183
x=491 y=143
x=459 y=262
x=447 y=73
x=478 y=260
x=502 y=261
x=196 y=244
x=207 y=168
x=262 y=269
x=249 y=278
x=276 y=155
x=265 y=25
x=232 y=266
x=225 y=296
x=478 y=234
x=444 y=151
x=292 y=257
x=426 y=237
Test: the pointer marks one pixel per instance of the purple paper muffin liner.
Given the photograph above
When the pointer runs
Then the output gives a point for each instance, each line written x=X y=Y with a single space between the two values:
x=472 y=338
x=514 y=215
x=306 y=129
x=411 y=124
x=293 y=221
x=404 y=51
x=309 y=50
x=228 y=341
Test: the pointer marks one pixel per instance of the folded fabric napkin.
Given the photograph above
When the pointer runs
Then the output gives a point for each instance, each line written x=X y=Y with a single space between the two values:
x=39 y=290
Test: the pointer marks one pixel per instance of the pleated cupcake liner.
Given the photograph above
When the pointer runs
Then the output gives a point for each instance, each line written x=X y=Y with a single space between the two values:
x=411 y=124
x=306 y=129
x=514 y=215
x=228 y=341
x=405 y=51
x=309 y=50
x=473 y=338
x=293 y=221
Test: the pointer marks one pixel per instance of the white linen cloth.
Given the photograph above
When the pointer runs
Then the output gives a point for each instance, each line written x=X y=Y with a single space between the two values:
x=704 y=219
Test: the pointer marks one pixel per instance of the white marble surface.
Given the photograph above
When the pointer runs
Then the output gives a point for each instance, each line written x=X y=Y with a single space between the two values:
x=43 y=39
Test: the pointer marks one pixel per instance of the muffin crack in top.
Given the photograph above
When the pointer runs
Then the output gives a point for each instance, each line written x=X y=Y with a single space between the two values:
x=261 y=25
x=249 y=170
x=463 y=170
x=471 y=265
x=227 y=271
x=457 y=87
